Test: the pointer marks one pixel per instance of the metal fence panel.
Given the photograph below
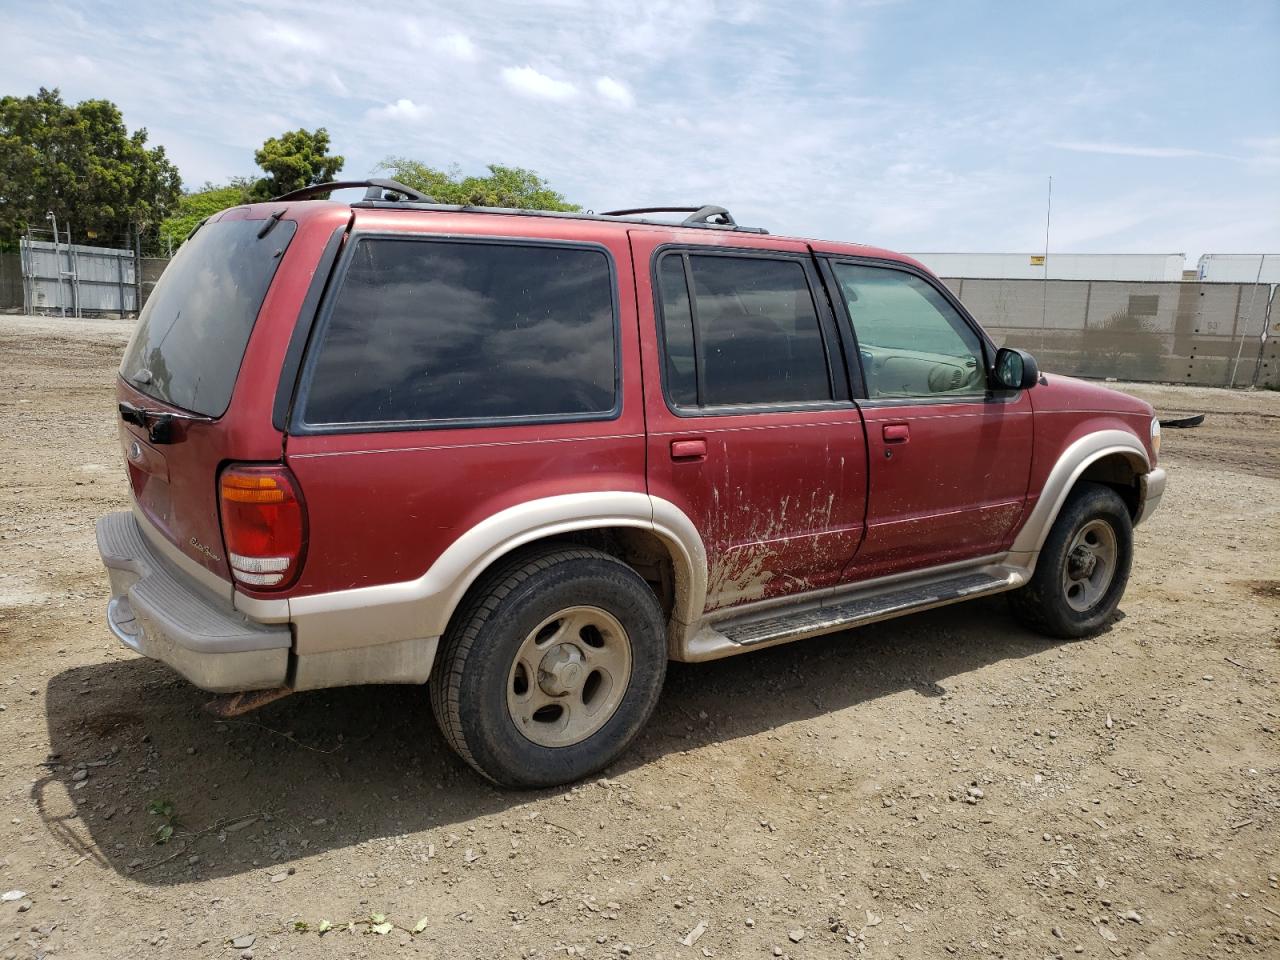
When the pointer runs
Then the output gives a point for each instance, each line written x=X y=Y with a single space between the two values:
x=1201 y=333
x=1268 y=374
x=66 y=276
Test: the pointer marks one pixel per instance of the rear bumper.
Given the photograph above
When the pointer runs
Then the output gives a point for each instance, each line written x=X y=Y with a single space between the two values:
x=1150 y=490
x=158 y=611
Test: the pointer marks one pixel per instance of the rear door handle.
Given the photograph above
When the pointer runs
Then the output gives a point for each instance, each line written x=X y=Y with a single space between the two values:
x=688 y=449
x=896 y=433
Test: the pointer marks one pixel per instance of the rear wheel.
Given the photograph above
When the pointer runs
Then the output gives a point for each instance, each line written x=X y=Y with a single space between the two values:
x=1083 y=566
x=552 y=667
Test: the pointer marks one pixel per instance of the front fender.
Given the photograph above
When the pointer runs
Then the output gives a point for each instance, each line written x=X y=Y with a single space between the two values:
x=1071 y=464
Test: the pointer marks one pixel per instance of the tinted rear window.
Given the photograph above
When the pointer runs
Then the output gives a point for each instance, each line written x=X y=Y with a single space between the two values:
x=751 y=336
x=439 y=331
x=193 y=330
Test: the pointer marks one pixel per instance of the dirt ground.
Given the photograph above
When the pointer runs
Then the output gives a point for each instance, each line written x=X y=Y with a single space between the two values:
x=943 y=785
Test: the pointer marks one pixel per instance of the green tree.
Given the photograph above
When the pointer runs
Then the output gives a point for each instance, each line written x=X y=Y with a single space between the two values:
x=512 y=187
x=194 y=207
x=81 y=164
x=293 y=160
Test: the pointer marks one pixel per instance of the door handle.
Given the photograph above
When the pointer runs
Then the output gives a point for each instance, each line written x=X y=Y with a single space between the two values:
x=688 y=449
x=897 y=433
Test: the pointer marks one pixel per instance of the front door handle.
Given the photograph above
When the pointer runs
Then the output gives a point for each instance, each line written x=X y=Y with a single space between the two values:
x=896 y=433
x=688 y=449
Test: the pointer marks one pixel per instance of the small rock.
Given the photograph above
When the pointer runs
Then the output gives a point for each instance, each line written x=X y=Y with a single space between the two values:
x=279 y=877
x=1107 y=933
x=1131 y=915
x=1057 y=932
x=11 y=895
x=796 y=935
x=80 y=774
x=777 y=951
x=750 y=922
x=692 y=936
x=24 y=906
x=244 y=941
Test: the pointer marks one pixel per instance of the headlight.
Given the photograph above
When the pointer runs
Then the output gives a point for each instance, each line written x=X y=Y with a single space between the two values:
x=1155 y=436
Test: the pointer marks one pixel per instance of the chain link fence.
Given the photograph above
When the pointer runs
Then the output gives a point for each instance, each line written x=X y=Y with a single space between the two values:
x=1210 y=334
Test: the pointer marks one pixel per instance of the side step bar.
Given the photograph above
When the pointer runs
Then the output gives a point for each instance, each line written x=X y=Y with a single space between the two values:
x=842 y=612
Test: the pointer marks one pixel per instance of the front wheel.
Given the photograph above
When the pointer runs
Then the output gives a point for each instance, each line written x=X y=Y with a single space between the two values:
x=552 y=667
x=1083 y=566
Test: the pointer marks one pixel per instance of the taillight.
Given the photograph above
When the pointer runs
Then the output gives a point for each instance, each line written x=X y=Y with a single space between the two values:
x=263 y=525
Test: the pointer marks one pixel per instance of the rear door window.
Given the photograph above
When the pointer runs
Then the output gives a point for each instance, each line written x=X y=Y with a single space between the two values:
x=193 y=330
x=740 y=330
x=437 y=332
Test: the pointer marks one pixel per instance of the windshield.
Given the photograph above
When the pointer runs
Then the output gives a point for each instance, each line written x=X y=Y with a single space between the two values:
x=193 y=331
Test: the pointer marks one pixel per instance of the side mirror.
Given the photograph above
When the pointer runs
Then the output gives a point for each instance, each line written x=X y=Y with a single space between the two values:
x=1016 y=369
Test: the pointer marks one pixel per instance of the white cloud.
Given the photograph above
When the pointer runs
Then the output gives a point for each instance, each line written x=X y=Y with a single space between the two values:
x=528 y=82
x=615 y=92
x=458 y=46
x=1136 y=150
x=403 y=110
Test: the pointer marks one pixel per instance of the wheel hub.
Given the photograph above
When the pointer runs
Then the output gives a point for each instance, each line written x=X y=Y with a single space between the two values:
x=562 y=670
x=1082 y=562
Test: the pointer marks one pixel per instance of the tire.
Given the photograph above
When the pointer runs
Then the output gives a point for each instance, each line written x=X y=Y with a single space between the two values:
x=1060 y=601
x=545 y=608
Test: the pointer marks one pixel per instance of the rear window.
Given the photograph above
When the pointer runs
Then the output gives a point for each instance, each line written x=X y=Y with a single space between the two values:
x=194 y=328
x=436 y=332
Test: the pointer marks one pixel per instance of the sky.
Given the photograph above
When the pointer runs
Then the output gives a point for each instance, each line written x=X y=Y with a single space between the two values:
x=913 y=125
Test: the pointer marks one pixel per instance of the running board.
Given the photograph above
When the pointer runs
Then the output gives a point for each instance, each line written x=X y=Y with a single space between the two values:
x=843 y=612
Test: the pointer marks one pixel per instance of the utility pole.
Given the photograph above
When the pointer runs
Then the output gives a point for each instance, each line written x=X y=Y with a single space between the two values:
x=1044 y=298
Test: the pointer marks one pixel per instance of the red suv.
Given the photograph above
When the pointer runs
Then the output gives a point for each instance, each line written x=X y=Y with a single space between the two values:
x=526 y=458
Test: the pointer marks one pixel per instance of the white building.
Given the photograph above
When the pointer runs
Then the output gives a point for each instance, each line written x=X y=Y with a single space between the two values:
x=1239 y=268
x=1060 y=266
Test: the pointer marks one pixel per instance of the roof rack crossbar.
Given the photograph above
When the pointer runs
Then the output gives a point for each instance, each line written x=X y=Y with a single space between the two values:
x=375 y=190
x=707 y=213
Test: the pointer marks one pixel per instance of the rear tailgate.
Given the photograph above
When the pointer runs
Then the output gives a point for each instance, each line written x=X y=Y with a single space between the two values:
x=221 y=315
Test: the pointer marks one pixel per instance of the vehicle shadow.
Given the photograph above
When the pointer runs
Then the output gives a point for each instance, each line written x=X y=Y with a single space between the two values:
x=329 y=769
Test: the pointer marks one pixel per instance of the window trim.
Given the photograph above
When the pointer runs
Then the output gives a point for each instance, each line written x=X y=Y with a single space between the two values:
x=837 y=373
x=854 y=358
x=299 y=426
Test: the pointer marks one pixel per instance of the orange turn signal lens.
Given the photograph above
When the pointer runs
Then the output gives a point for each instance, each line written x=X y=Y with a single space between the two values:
x=242 y=488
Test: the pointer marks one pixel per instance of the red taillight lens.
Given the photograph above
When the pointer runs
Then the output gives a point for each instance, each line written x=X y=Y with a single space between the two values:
x=263 y=525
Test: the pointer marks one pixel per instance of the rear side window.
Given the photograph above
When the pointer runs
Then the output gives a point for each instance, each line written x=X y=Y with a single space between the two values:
x=436 y=332
x=194 y=328
x=740 y=331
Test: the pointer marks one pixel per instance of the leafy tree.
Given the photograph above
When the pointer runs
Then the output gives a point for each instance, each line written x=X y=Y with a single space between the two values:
x=81 y=164
x=195 y=207
x=293 y=160
x=512 y=187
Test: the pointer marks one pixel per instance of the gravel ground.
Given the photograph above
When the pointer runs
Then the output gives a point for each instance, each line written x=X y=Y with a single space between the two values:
x=943 y=785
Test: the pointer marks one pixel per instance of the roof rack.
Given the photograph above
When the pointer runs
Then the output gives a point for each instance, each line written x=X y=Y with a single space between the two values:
x=707 y=217
x=708 y=214
x=375 y=190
